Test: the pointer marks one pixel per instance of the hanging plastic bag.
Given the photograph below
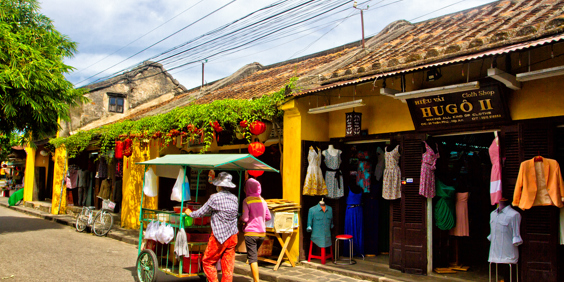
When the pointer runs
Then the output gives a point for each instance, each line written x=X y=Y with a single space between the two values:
x=150 y=231
x=161 y=233
x=150 y=188
x=178 y=187
x=168 y=234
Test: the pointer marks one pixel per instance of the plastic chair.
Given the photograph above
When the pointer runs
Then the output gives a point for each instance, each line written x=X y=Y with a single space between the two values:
x=343 y=238
x=323 y=255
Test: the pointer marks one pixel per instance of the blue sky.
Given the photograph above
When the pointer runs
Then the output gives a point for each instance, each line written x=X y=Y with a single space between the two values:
x=103 y=27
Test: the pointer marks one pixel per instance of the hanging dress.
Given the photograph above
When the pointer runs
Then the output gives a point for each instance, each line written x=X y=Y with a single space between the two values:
x=462 y=227
x=363 y=172
x=333 y=175
x=428 y=166
x=314 y=183
x=392 y=176
x=495 y=180
x=380 y=164
x=354 y=223
x=444 y=207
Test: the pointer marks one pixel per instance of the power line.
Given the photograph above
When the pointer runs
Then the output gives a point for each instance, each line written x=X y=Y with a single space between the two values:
x=140 y=37
x=161 y=40
x=437 y=10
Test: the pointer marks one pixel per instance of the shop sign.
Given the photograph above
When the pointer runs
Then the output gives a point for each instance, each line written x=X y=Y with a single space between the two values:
x=462 y=108
x=353 y=120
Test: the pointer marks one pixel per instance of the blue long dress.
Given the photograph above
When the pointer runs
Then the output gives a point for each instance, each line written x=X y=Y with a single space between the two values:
x=354 y=224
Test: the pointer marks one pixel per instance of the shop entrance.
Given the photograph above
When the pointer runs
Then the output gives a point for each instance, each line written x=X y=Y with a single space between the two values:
x=462 y=206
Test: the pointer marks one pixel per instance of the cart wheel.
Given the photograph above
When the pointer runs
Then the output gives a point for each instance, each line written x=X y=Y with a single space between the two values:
x=147 y=266
x=81 y=220
x=103 y=223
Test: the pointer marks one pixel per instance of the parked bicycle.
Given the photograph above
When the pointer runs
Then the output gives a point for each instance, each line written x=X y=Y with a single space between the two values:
x=101 y=222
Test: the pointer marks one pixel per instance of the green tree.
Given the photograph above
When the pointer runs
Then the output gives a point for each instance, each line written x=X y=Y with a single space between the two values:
x=34 y=92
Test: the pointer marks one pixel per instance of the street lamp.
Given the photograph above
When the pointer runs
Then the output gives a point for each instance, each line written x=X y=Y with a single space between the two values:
x=355 y=4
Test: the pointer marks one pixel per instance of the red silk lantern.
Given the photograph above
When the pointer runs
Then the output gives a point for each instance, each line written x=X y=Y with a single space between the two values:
x=256 y=149
x=256 y=173
x=127 y=150
x=119 y=150
x=257 y=127
x=243 y=124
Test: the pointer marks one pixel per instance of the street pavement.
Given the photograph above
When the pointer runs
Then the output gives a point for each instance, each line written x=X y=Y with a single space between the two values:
x=34 y=249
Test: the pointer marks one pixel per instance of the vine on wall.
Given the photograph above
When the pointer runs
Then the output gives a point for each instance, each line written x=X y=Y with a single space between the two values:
x=196 y=121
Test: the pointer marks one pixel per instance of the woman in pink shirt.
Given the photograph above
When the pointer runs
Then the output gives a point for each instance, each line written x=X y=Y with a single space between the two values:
x=255 y=214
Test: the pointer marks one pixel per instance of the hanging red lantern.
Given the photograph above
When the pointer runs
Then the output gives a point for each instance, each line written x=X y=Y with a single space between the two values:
x=119 y=150
x=257 y=127
x=256 y=149
x=255 y=173
x=127 y=150
x=243 y=124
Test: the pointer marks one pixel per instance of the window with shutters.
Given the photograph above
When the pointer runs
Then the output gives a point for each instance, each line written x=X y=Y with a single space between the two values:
x=116 y=103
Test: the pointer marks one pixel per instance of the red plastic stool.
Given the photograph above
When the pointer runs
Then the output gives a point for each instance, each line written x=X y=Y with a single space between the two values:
x=342 y=238
x=323 y=255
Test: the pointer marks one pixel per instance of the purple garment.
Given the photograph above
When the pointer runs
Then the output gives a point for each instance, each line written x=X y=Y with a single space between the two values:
x=428 y=166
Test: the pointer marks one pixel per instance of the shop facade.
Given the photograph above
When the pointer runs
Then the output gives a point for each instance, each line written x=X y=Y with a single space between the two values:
x=461 y=126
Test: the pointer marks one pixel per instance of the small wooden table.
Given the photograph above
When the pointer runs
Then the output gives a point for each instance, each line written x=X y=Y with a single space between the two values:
x=284 y=243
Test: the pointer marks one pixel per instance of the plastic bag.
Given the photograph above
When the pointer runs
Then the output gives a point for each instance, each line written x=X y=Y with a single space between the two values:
x=161 y=232
x=177 y=188
x=150 y=188
x=150 y=232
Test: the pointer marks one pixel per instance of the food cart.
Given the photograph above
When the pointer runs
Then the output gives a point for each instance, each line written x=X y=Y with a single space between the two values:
x=151 y=258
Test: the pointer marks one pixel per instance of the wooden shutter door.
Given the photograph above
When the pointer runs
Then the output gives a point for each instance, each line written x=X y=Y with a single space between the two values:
x=396 y=235
x=539 y=226
x=414 y=243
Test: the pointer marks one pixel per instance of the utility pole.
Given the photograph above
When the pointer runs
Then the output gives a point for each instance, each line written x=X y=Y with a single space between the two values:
x=361 y=19
x=203 y=62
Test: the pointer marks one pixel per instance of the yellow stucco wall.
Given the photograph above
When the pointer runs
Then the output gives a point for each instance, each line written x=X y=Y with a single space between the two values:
x=29 y=173
x=60 y=161
x=133 y=175
x=538 y=99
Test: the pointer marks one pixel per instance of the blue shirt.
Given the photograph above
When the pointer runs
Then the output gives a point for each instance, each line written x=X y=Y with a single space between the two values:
x=319 y=223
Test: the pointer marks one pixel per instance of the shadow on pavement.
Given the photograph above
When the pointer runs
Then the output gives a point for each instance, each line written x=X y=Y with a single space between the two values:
x=15 y=224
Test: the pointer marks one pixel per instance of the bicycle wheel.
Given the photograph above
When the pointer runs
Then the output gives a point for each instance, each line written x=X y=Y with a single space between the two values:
x=103 y=223
x=147 y=266
x=81 y=221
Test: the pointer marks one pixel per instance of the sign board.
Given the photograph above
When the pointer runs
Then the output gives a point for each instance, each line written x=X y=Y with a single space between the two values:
x=194 y=177
x=461 y=108
x=353 y=123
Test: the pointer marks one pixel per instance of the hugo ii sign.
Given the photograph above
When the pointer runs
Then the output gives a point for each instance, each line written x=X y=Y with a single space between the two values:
x=461 y=108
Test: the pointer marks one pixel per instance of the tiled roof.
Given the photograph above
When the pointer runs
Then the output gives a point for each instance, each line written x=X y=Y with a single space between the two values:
x=403 y=45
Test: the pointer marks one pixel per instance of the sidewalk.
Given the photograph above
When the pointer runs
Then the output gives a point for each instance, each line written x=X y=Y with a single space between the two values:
x=304 y=271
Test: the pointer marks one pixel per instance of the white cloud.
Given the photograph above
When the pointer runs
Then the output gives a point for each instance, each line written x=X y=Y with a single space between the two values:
x=102 y=27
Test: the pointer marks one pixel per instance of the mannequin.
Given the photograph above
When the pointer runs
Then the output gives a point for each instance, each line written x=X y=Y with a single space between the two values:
x=496 y=138
x=332 y=150
x=503 y=202
x=322 y=204
x=431 y=142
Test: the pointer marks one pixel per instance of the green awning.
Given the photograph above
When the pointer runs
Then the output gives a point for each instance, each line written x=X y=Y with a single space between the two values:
x=213 y=161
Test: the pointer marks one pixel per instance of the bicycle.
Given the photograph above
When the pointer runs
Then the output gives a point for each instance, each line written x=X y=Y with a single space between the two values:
x=101 y=222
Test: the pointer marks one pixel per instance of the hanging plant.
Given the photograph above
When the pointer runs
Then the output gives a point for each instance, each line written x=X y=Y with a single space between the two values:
x=227 y=113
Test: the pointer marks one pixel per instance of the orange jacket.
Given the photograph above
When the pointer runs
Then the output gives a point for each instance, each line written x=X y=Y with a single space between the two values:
x=526 y=186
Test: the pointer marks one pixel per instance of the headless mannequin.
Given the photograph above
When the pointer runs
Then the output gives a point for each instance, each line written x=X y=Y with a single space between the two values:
x=331 y=150
x=322 y=204
x=502 y=204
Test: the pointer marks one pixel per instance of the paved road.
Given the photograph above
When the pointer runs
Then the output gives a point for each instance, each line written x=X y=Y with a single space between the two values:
x=33 y=249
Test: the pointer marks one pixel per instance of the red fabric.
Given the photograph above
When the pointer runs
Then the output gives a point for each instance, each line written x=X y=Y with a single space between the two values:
x=216 y=251
x=345 y=236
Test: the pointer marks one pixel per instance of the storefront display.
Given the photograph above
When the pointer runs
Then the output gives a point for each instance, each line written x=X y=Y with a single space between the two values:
x=539 y=184
x=319 y=223
x=364 y=171
x=444 y=207
x=428 y=166
x=314 y=182
x=495 y=178
x=505 y=235
x=462 y=227
x=354 y=224
x=333 y=175
x=392 y=175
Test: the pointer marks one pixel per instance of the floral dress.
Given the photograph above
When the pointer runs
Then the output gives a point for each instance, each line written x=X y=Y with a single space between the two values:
x=391 y=189
x=363 y=173
x=428 y=166
x=314 y=182
x=333 y=176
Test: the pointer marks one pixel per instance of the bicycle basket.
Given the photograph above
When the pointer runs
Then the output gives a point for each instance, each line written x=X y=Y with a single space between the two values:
x=108 y=205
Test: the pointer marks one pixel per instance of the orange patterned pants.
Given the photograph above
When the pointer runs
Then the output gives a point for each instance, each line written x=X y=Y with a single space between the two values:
x=216 y=251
